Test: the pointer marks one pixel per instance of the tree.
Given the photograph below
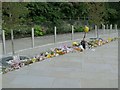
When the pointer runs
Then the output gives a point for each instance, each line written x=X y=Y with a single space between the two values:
x=14 y=14
x=113 y=12
x=96 y=12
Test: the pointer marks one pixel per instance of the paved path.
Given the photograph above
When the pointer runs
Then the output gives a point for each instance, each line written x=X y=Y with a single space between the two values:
x=89 y=69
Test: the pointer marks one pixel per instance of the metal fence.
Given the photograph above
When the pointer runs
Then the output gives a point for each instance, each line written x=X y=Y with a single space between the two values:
x=15 y=45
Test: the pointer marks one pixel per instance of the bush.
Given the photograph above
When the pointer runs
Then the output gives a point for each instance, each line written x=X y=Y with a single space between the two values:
x=79 y=29
x=63 y=27
x=7 y=34
x=50 y=30
x=38 y=31
x=21 y=33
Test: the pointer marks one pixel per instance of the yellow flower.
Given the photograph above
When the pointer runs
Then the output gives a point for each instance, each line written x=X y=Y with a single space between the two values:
x=86 y=29
x=75 y=44
x=34 y=60
x=109 y=39
x=49 y=56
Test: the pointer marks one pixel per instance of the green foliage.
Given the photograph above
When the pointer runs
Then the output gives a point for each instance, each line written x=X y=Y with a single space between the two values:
x=45 y=15
x=13 y=14
x=7 y=33
x=79 y=29
x=63 y=27
x=38 y=30
x=113 y=13
x=18 y=33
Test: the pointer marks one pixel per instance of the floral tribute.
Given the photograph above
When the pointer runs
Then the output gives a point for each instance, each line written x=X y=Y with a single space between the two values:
x=16 y=63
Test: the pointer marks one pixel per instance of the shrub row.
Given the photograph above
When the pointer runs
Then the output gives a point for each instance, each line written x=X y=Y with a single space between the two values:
x=41 y=30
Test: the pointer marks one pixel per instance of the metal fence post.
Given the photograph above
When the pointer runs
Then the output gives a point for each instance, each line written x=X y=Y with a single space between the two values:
x=96 y=31
x=72 y=35
x=55 y=34
x=116 y=27
x=107 y=26
x=3 y=39
x=103 y=30
x=104 y=27
x=110 y=26
x=110 y=30
x=12 y=41
x=32 y=37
